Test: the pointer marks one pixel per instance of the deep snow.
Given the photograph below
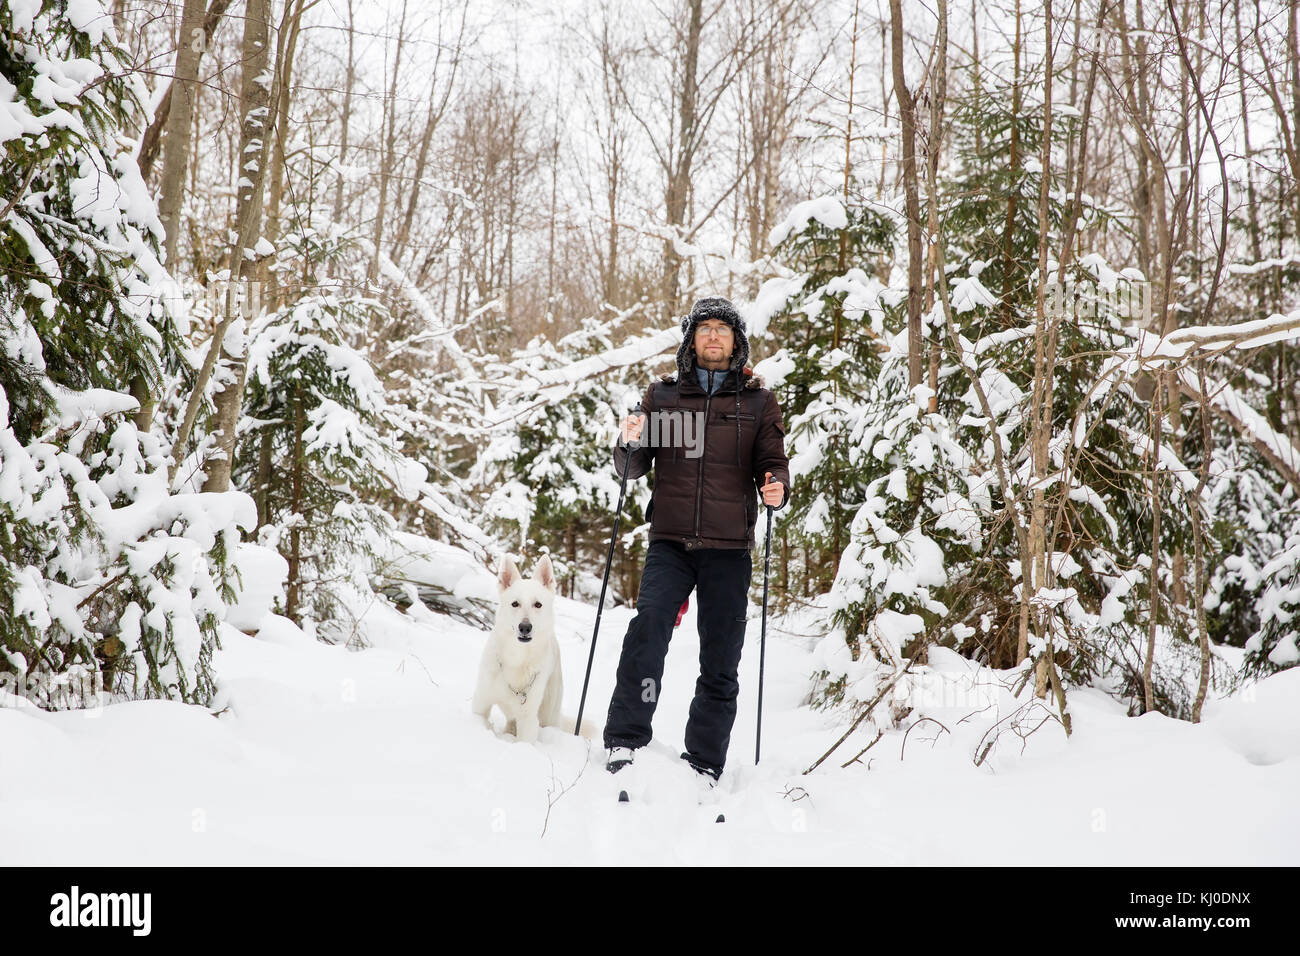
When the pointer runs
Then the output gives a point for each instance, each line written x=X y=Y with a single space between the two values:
x=325 y=755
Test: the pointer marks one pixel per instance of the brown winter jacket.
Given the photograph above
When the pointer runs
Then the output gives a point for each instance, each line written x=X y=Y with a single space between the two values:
x=706 y=486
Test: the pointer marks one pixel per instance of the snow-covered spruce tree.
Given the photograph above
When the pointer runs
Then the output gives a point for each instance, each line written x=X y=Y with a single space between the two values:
x=1095 y=598
x=111 y=582
x=830 y=333
x=932 y=551
x=1273 y=645
x=553 y=484
x=1253 y=566
x=317 y=446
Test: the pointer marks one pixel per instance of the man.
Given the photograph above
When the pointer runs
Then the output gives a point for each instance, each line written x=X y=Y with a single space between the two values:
x=702 y=516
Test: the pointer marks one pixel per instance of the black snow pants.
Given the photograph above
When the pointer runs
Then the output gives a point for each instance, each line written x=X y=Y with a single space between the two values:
x=720 y=576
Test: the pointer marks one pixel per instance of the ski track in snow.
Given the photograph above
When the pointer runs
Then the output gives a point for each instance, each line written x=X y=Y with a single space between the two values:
x=330 y=756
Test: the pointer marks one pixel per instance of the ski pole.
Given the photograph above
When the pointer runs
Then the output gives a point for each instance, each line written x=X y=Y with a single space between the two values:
x=604 y=582
x=762 y=640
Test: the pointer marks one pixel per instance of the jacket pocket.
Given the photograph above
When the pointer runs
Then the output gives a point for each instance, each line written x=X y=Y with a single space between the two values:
x=670 y=427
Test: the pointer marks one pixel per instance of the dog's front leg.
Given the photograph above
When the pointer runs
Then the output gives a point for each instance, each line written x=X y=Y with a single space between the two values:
x=529 y=726
x=482 y=703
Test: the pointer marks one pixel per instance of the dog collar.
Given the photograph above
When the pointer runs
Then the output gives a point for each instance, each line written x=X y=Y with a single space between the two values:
x=523 y=694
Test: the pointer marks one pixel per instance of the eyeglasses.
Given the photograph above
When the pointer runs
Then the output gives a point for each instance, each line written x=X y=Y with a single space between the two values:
x=717 y=331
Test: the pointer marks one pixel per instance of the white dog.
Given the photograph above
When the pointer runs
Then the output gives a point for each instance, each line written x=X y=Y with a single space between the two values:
x=520 y=669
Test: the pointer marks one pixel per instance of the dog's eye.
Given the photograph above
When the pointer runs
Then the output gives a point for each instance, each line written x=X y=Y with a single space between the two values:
x=537 y=604
x=514 y=603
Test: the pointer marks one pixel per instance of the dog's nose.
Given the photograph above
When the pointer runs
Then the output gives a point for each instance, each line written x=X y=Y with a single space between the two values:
x=525 y=631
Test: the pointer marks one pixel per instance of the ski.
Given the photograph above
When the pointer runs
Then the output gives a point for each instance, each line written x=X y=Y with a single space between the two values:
x=624 y=798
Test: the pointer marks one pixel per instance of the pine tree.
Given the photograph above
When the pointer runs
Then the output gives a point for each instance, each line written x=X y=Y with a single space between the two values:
x=559 y=449
x=114 y=583
x=831 y=334
x=319 y=450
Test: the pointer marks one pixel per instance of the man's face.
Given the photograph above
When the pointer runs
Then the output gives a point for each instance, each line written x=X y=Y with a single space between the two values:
x=714 y=342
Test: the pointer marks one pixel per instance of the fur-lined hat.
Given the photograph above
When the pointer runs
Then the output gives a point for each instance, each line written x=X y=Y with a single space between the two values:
x=713 y=307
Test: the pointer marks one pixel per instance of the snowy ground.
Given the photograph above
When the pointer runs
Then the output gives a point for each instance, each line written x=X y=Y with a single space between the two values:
x=330 y=756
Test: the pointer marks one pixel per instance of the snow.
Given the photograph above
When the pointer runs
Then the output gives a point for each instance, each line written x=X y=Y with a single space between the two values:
x=89 y=17
x=413 y=778
x=1284 y=652
x=969 y=293
x=437 y=328
x=775 y=368
x=262 y=574
x=24 y=14
x=827 y=210
x=1224 y=396
x=770 y=302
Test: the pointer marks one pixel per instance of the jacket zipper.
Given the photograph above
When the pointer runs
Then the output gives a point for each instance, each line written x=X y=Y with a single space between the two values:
x=699 y=479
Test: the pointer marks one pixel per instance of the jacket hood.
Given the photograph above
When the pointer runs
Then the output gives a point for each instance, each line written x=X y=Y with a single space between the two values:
x=713 y=307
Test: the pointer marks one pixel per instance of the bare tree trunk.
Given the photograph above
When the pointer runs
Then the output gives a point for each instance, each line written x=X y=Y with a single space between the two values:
x=1157 y=427
x=555 y=208
x=915 y=255
x=286 y=46
x=176 y=155
x=1198 y=539
x=1151 y=159
x=976 y=79
x=676 y=196
x=179 y=123
x=1287 y=117
x=847 y=178
x=934 y=149
x=345 y=119
x=1008 y=263
x=254 y=101
x=1293 y=57
x=293 y=586
x=437 y=108
x=1252 y=203
x=778 y=100
x=768 y=99
x=388 y=157
x=1040 y=408
x=613 y=148
x=152 y=137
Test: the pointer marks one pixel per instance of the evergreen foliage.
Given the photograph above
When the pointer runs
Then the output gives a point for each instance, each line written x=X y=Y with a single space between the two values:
x=113 y=583
x=318 y=444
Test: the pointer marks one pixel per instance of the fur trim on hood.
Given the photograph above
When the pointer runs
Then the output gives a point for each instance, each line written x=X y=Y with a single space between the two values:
x=713 y=307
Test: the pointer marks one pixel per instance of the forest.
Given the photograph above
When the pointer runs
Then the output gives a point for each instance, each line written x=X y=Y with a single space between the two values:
x=308 y=278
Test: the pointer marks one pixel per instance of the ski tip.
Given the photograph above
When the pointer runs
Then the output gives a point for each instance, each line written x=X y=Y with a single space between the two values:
x=721 y=819
x=622 y=796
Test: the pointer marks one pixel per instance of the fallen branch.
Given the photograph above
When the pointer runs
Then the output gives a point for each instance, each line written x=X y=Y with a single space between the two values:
x=866 y=711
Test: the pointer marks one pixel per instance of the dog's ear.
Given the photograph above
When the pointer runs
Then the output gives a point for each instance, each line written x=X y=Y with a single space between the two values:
x=546 y=574
x=509 y=575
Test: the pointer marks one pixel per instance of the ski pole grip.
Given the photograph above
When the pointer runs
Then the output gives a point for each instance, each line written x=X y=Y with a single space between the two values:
x=634 y=410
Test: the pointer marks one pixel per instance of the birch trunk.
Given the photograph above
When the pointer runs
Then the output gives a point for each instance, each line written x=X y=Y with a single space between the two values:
x=255 y=98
